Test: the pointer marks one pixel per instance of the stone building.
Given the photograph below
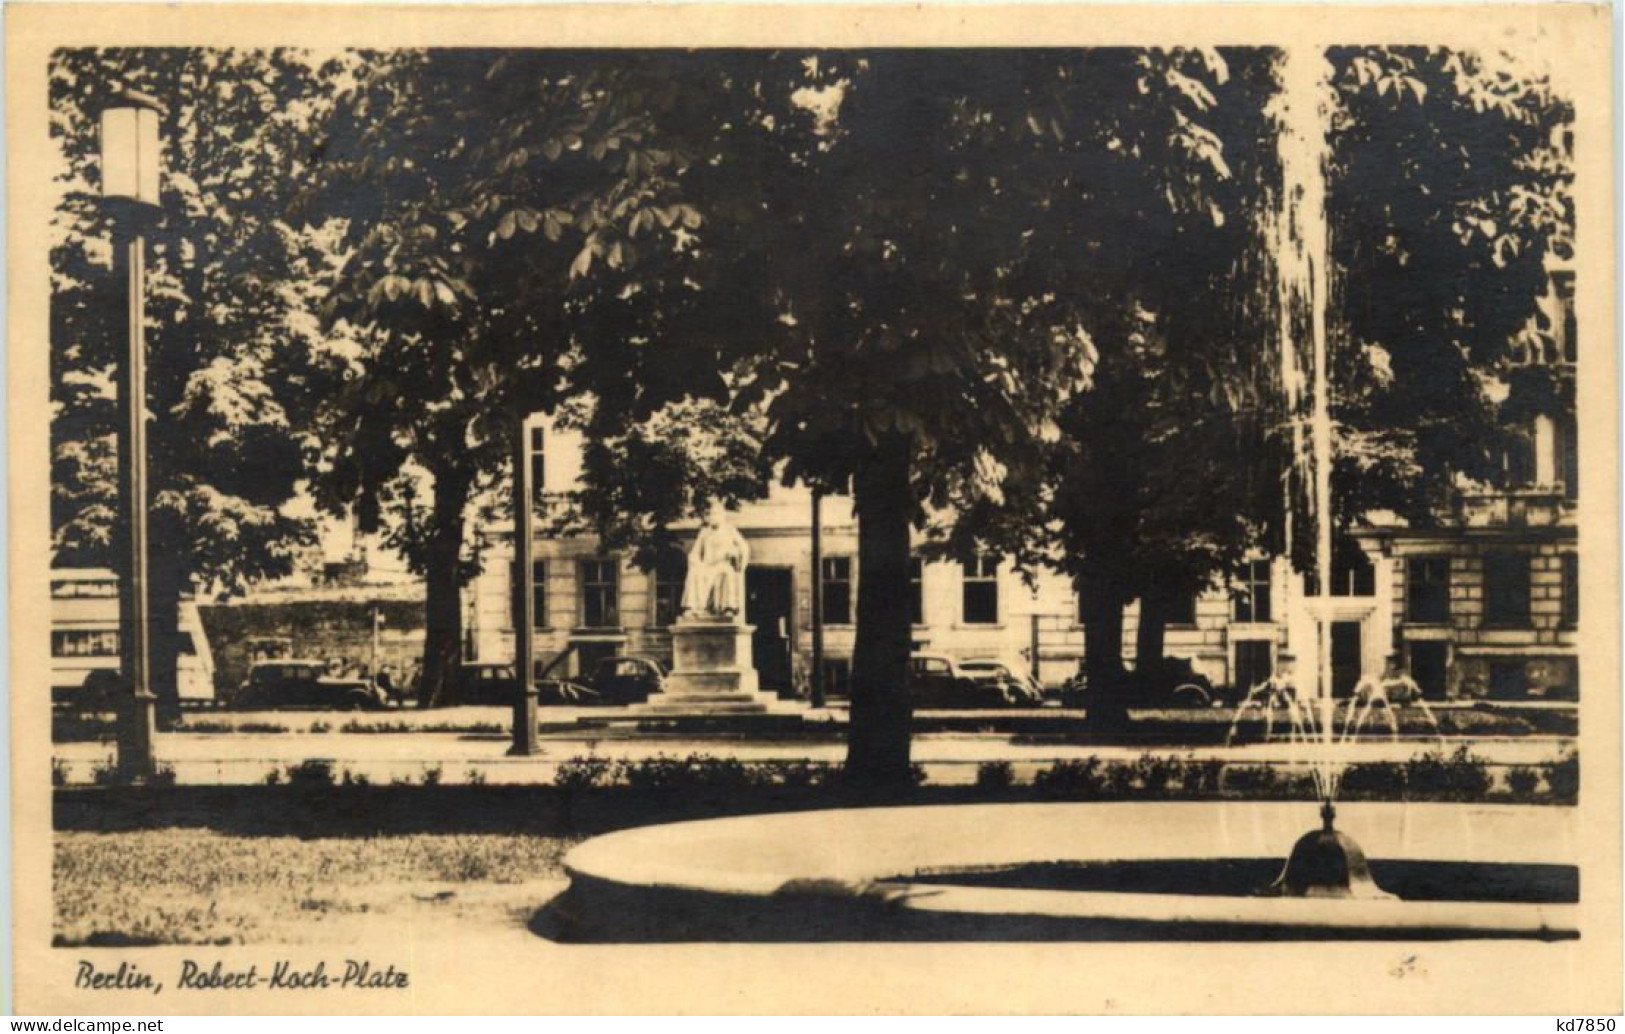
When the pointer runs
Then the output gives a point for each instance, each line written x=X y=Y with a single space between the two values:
x=602 y=605
x=591 y=605
x=1487 y=604
x=1484 y=602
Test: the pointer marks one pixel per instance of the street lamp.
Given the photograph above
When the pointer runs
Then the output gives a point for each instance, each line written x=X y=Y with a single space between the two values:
x=523 y=597
x=130 y=149
x=129 y=161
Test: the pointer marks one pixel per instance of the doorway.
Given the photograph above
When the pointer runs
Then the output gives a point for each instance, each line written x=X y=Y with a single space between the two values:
x=1345 y=657
x=769 y=606
x=1430 y=667
x=1254 y=664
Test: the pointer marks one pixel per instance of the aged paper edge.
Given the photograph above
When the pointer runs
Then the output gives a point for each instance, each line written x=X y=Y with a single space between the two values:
x=1472 y=977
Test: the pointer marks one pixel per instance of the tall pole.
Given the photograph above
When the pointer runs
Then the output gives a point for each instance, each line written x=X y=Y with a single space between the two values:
x=817 y=598
x=1032 y=640
x=138 y=724
x=523 y=581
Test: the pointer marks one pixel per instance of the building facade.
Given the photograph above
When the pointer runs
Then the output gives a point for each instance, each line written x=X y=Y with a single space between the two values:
x=1481 y=603
x=1487 y=602
x=589 y=605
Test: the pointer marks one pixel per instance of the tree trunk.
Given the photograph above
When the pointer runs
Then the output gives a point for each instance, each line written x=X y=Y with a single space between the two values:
x=878 y=738
x=443 y=583
x=1106 y=702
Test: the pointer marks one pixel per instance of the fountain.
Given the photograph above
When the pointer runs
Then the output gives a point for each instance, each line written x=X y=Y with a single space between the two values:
x=1324 y=862
x=1126 y=870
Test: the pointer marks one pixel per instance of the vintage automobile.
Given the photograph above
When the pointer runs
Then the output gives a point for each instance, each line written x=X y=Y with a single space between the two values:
x=938 y=682
x=626 y=679
x=288 y=683
x=1174 y=683
x=494 y=685
x=1022 y=689
x=487 y=684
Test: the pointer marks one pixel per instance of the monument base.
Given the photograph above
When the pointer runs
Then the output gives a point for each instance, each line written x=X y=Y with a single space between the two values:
x=712 y=672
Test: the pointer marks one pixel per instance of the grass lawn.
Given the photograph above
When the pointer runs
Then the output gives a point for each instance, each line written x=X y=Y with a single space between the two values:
x=180 y=886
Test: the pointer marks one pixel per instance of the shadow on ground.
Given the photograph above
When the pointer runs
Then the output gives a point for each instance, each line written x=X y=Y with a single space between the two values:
x=594 y=912
x=365 y=811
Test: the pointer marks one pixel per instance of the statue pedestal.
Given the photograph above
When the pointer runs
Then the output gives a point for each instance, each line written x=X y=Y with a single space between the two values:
x=712 y=671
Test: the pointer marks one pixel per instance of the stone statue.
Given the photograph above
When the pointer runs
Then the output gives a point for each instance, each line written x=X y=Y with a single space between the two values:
x=716 y=570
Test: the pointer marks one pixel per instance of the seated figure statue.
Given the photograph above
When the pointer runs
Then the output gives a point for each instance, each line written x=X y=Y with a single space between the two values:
x=715 y=586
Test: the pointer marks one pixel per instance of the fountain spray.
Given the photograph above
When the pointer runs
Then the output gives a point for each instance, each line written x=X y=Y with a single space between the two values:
x=1324 y=862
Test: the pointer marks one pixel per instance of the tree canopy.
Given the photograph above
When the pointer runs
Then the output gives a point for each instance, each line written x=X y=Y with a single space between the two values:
x=230 y=338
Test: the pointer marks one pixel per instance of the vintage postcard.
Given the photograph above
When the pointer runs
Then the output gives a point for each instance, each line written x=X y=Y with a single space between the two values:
x=813 y=509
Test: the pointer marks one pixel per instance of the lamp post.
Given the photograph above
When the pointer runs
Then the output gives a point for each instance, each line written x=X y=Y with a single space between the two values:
x=524 y=598
x=817 y=598
x=130 y=168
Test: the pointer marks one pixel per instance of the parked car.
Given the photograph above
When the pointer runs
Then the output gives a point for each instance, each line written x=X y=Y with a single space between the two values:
x=488 y=684
x=1175 y=682
x=297 y=683
x=494 y=684
x=1020 y=689
x=938 y=682
x=626 y=679
x=1171 y=684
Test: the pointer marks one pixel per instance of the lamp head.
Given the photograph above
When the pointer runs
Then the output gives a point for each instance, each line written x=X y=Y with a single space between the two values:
x=130 y=150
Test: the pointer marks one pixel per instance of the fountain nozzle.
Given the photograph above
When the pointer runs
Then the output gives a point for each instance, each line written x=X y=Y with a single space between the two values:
x=1326 y=864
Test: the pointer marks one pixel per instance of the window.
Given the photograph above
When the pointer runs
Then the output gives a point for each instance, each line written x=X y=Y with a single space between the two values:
x=931 y=666
x=1427 y=590
x=1253 y=603
x=838 y=676
x=538 y=464
x=84 y=642
x=1353 y=574
x=1571 y=590
x=1569 y=331
x=1253 y=663
x=1182 y=609
x=1518 y=459
x=670 y=572
x=1506 y=589
x=1568 y=456
x=837 y=590
x=538 y=593
x=600 y=593
x=916 y=591
x=102 y=589
x=981 y=591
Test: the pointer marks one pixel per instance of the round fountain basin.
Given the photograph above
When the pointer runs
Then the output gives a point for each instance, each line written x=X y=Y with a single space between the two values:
x=1069 y=871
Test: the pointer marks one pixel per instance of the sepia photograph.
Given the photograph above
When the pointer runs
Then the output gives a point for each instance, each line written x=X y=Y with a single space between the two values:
x=813 y=511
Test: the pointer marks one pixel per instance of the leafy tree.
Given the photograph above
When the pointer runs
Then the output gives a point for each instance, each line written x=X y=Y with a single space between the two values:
x=1449 y=188
x=229 y=335
x=1175 y=463
x=640 y=483
x=467 y=187
x=924 y=253
x=1163 y=475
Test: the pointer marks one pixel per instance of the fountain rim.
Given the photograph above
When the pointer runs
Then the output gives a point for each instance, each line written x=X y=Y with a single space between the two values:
x=700 y=858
